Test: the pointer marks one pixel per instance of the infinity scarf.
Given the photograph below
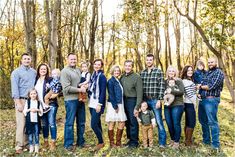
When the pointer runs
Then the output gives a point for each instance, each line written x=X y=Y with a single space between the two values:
x=93 y=80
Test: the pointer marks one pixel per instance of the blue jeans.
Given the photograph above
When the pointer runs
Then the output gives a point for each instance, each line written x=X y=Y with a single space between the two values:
x=34 y=138
x=207 y=115
x=74 y=109
x=132 y=126
x=49 y=122
x=96 y=124
x=158 y=116
x=190 y=115
x=173 y=117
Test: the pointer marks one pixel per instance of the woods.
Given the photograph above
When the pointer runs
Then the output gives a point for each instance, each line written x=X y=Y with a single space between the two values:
x=177 y=32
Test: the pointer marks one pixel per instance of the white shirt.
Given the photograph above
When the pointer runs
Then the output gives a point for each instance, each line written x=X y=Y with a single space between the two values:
x=39 y=88
x=33 y=115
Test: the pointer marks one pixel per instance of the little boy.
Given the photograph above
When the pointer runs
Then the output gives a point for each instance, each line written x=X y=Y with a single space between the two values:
x=168 y=97
x=55 y=88
x=147 y=119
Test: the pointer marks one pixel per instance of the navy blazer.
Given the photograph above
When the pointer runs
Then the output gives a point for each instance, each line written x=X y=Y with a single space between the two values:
x=115 y=92
x=102 y=91
x=45 y=91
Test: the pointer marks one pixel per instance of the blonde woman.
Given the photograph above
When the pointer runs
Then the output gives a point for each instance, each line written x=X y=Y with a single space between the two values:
x=174 y=112
x=115 y=109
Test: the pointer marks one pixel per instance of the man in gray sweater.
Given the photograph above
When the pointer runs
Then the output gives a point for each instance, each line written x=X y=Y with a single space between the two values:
x=70 y=78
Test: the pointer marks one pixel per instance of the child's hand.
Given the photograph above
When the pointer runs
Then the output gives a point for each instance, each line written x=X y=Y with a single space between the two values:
x=154 y=125
x=33 y=110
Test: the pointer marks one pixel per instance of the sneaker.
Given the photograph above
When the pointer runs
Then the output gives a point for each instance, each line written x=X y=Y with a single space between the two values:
x=166 y=104
x=36 y=149
x=31 y=148
x=19 y=151
x=46 y=109
x=176 y=145
x=162 y=146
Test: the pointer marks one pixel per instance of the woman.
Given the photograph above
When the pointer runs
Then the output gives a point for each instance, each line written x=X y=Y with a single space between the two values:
x=48 y=119
x=173 y=113
x=115 y=109
x=190 y=98
x=97 y=96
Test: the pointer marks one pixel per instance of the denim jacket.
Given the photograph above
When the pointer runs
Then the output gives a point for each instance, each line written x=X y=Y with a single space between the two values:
x=115 y=92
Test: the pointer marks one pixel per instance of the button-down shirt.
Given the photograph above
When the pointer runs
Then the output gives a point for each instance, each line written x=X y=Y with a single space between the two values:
x=22 y=80
x=214 y=79
x=55 y=86
x=153 y=83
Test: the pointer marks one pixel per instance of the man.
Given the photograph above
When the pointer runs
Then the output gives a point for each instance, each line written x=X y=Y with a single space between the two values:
x=22 y=80
x=153 y=91
x=210 y=89
x=133 y=93
x=70 y=78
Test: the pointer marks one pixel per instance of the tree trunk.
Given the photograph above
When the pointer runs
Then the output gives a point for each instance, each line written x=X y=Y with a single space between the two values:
x=29 y=15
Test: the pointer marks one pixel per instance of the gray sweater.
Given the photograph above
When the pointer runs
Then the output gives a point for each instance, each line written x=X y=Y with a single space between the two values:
x=70 y=78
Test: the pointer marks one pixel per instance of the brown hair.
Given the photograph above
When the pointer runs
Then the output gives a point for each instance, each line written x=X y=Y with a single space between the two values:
x=184 y=72
x=150 y=55
x=47 y=74
x=99 y=60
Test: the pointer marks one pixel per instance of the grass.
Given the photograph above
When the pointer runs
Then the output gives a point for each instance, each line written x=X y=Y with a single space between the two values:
x=227 y=134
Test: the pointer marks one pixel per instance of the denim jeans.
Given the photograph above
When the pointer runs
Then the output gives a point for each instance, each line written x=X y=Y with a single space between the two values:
x=74 y=109
x=207 y=115
x=96 y=125
x=190 y=115
x=132 y=126
x=173 y=117
x=34 y=138
x=158 y=116
x=49 y=122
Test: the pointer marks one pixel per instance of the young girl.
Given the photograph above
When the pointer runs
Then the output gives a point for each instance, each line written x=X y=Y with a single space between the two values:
x=32 y=111
x=84 y=80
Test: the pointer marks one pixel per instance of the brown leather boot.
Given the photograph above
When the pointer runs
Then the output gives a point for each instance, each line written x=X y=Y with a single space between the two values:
x=119 y=137
x=189 y=138
x=46 y=144
x=111 y=138
x=53 y=145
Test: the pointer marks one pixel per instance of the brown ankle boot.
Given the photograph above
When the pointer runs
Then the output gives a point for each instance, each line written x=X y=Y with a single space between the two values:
x=45 y=144
x=111 y=139
x=119 y=137
x=189 y=137
x=53 y=145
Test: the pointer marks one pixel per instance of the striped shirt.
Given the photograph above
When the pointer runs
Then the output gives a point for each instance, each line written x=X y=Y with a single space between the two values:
x=214 y=78
x=189 y=91
x=153 y=83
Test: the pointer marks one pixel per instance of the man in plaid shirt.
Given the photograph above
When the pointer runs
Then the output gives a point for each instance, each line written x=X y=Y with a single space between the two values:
x=153 y=90
x=210 y=89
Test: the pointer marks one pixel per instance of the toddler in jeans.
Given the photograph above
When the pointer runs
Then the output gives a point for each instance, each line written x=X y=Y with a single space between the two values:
x=55 y=89
x=168 y=97
x=32 y=111
x=147 y=119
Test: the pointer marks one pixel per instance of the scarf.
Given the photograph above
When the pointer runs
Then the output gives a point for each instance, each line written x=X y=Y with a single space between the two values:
x=93 y=80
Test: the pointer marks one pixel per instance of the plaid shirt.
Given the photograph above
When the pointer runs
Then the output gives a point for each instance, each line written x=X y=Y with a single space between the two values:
x=214 y=78
x=55 y=86
x=153 y=83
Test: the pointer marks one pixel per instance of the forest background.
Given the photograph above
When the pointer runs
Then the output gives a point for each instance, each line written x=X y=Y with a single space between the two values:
x=177 y=32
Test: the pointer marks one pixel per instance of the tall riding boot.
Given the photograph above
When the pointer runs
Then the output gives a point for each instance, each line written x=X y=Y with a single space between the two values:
x=189 y=139
x=119 y=137
x=111 y=138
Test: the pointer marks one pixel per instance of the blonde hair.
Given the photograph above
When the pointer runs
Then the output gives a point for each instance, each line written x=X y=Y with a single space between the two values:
x=33 y=89
x=86 y=63
x=113 y=68
x=200 y=62
x=174 y=69
x=57 y=71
